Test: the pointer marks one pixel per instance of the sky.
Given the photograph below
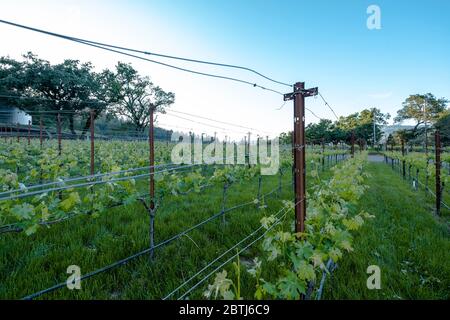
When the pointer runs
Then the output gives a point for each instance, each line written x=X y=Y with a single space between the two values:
x=322 y=43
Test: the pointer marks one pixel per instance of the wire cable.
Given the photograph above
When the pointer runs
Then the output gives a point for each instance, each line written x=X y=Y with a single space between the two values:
x=315 y=115
x=206 y=124
x=328 y=105
x=235 y=255
x=132 y=257
x=217 y=121
x=218 y=258
x=93 y=183
x=149 y=53
x=53 y=100
x=99 y=46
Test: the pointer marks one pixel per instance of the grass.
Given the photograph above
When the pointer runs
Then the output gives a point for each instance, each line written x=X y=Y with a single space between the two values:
x=410 y=244
x=410 y=175
x=30 y=264
x=406 y=240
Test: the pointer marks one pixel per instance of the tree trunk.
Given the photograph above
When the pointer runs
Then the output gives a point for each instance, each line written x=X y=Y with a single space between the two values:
x=88 y=125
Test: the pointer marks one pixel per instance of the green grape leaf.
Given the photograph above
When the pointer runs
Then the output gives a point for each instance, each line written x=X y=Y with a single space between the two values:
x=23 y=211
x=71 y=201
x=291 y=287
x=31 y=230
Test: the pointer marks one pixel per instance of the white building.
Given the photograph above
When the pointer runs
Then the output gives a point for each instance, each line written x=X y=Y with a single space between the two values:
x=13 y=115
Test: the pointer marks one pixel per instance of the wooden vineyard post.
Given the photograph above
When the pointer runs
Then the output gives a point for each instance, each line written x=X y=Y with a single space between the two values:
x=257 y=150
x=438 y=171
x=417 y=180
x=403 y=160
x=151 y=142
x=18 y=132
x=224 y=201
x=29 y=132
x=298 y=96
x=323 y=154
x=248 y=148
x=427 y=176
x=224 y=148
x=40 y=131
x=353 y=143
x=191 y=143
x=280 y=181
x=92 y=127
x=59 y=134
x=258 y=204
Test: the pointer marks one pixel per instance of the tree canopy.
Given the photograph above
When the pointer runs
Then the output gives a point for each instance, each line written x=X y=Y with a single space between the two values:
x=422 y=108
x=75 y=88
x=138 y=96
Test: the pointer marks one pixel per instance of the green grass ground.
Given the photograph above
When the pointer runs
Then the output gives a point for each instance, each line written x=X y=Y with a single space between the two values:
x=411 y=246
x=30 y=264
x=410 y=175
x=406 y=240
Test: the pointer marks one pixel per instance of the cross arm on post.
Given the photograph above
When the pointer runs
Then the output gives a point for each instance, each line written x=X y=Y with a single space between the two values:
x=304 y=92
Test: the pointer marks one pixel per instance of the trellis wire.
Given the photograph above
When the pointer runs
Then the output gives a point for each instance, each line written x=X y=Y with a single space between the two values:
x=426 y=188
x=232 y=257
x=219 y=257
x=139 y=254
x=79 y=178
x=88 y=184
x=329 y=268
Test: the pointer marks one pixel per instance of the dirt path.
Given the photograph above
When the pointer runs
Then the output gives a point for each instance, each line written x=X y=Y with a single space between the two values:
x=376 y=158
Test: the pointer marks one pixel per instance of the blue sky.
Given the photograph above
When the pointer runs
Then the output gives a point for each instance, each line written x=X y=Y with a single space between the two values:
x=324 y=43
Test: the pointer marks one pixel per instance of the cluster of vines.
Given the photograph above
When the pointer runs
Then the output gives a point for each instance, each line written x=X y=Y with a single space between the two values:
x=25 y=207
x=302 y=258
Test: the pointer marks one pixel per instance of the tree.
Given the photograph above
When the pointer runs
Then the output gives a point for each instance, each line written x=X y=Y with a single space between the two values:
x=286 y=138
x=337 y=134
x=315 y=132
x=443 y=125
x=11 y=76
x=422 y=108
x=68 y=87
x=137 y=96
x=390 y=141
x=363 y=123
x=105 y=92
